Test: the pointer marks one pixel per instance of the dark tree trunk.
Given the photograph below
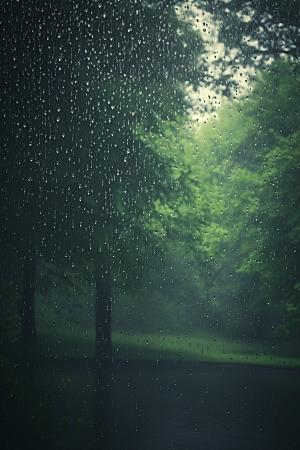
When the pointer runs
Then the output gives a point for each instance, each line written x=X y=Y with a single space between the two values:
x=28 y=330
x=103 y=357
x=103 y=322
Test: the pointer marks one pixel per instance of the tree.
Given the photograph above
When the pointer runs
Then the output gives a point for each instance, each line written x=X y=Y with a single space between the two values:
x=107 y=67
x=276 y=150
x=258 y=148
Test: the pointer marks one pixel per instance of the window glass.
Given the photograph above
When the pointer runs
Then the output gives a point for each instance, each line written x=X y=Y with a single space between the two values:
x=149 y=226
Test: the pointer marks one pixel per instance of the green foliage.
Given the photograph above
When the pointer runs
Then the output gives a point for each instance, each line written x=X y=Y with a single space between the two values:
x=233 y=207
x=275 y=105
x=261 y=165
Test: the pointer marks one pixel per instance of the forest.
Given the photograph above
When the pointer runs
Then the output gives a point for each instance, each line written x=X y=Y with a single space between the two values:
x=149 y=182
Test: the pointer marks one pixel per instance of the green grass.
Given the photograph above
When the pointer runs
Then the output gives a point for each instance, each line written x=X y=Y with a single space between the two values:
x=203 y=349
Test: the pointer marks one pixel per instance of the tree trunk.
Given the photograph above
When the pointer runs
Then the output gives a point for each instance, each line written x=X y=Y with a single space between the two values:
x=103 y=322
x=103 y=357
x=28 y=329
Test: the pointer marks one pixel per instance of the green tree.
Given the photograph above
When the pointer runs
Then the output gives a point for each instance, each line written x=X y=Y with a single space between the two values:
x=274 y=142
x=258 y=147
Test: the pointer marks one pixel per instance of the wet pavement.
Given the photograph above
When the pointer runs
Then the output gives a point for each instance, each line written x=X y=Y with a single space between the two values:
x=188 y=407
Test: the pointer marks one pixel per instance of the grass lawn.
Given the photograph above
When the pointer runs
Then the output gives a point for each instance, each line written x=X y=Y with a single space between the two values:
x=205 y=348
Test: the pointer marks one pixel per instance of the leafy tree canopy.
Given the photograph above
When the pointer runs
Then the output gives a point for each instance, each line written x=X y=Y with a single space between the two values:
x=258 y=150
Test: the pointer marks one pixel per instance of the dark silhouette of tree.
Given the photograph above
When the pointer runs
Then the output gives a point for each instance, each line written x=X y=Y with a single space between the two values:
x=76 y=80
x=78 y=184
